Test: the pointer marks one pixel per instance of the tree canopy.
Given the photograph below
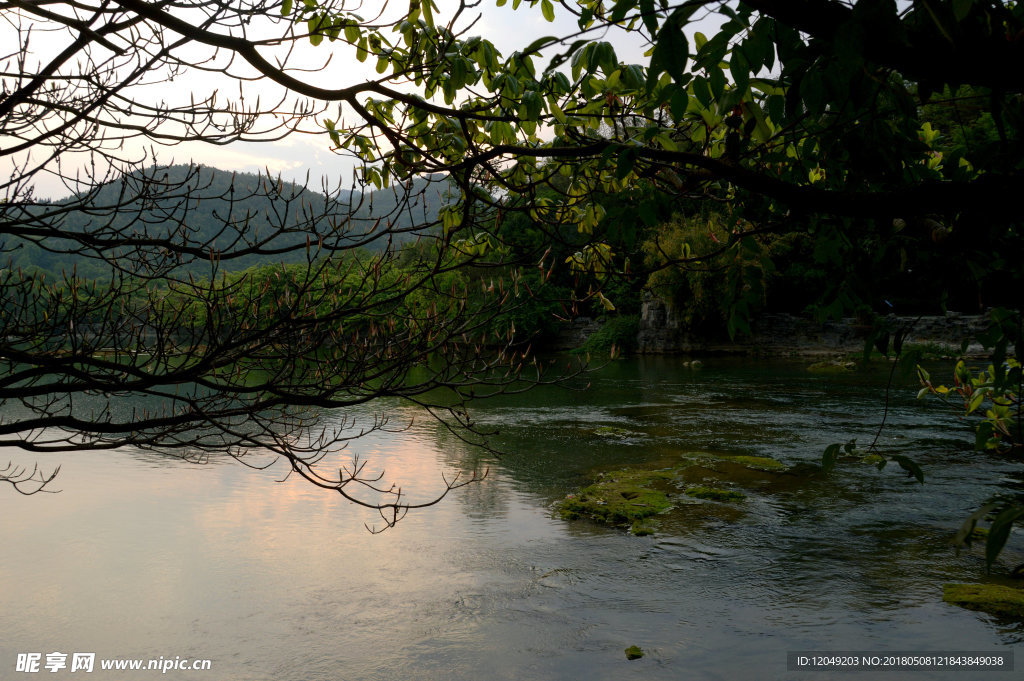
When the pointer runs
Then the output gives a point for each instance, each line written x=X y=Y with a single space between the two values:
x=842 y=124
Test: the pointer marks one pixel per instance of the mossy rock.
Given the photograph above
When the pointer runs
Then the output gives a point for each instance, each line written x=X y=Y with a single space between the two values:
x=715 y=493
x=634 y=653
x=832 y=367
x=994 y=599
x=619 y=497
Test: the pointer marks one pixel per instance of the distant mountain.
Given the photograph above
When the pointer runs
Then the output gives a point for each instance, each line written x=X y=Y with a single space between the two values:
x=207 y=207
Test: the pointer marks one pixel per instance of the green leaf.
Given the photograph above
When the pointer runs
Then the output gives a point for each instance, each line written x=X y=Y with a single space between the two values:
x=983 y=434
x=620 y=10
x=999 y=532
x=312 y=26
x=532 y=105
x=740 y=70
x=961 y=8
x=812 y=91
x=603 y=56
x=828 y=459
x=910 y=466
x=633 y=76
x=976 y=400
x=963 y=536
x=537 y=44
x=717 y=79
x=626 y=161
x=671 y=51
x=650 y=19
x=678 y=103
x=286 y=8
x=776 y=108
x=648 y=213
x=702 y=91
x=758 y=48
x=547 y=9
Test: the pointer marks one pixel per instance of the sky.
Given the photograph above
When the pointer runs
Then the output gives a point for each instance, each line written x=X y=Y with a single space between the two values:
x=300 y=155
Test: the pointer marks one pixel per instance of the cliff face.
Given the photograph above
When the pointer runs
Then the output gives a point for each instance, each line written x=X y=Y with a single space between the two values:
x=661 y=333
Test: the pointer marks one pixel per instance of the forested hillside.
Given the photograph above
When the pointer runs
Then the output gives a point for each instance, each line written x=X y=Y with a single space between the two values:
x=261 y=214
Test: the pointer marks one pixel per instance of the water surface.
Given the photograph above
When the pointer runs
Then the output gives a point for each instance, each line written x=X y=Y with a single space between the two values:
x=145 y=556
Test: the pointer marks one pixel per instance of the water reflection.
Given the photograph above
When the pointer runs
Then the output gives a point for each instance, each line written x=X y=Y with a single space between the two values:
x=145 y=556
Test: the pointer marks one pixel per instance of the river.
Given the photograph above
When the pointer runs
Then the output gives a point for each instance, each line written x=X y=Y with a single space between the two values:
x=146 y=556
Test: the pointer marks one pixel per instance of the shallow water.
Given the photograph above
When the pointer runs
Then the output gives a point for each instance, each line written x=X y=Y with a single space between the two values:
x=145 y=556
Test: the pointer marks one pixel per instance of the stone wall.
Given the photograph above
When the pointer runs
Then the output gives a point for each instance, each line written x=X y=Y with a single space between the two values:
x=573 y=334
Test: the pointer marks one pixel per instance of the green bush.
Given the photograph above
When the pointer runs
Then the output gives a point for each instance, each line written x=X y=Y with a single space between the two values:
x=619 y=331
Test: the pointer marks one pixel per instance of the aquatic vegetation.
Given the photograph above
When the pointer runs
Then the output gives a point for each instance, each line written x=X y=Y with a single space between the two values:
x=630 y=497
x=715 y=493
x=994 y=599
x=612 y=431
x=760 y=463
x=642 y=528
x=634 y=653
x=619 y=497
x=979 y=533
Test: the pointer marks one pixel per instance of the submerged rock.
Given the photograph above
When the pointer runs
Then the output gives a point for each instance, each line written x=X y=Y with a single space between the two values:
x=630 y=498
x=832 y=367
x=759 y=463
x=612 y=431
x=642 y=528
x=715 y=493
x=634 y=653
x=994 y=599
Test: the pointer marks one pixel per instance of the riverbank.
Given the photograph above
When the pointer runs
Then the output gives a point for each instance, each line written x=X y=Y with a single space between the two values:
x=785 y=335
x=661 y=332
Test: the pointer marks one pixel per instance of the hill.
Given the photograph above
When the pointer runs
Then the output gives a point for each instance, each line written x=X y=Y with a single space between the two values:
x=244 y=218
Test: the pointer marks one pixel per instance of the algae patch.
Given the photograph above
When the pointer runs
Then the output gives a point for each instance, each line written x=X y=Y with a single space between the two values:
x=612 y=431
x=715 y=493
x=634 y=653
x=618 y=497
x=832 y=367
x=632 y=497
x=642 y=528
x=761 y=463
x=995 y=599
